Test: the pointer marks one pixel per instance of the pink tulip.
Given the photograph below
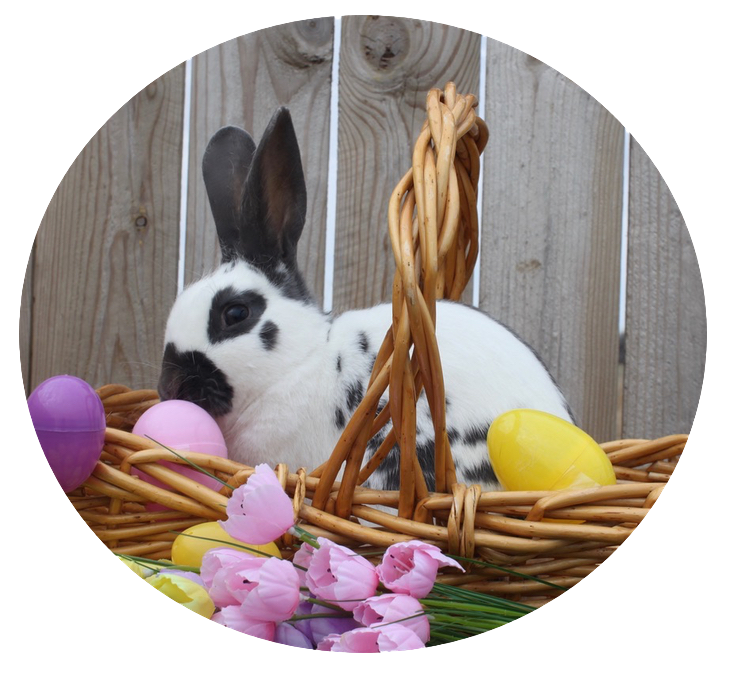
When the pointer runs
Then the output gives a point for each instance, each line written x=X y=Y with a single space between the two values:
x=387 y=608
x=372 y=640
x=233 y=618
x=301 y=560
x=411 y=567
x=266 y=589
x=276 y=596
x=217 y=570
x=221 y=557
x=259 y=511
x=338 y=575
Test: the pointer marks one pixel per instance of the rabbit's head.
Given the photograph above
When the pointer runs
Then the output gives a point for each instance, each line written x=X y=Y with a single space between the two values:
x=248 y=324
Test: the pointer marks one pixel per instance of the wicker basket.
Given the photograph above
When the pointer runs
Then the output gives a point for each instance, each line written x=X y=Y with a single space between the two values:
x=535 y=544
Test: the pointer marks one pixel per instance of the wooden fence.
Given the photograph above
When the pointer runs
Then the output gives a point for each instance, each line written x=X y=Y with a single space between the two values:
x=104 y=268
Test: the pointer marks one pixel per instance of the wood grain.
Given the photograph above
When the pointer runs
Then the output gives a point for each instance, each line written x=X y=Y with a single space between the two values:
x=105 y=263
x=242 y=82
x=103 y=271
x=25 y=317
x=551 y=232
x=666 y=324
x=387 y=67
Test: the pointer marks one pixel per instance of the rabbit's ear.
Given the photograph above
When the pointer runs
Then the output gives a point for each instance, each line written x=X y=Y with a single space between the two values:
x=275 y=197
x=226 y=164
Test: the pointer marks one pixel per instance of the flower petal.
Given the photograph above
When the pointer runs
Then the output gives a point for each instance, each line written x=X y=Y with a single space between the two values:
x=233 y=618
x=259 y=511
x=339 y=575
x=384 y=609
x=371 y=640
x=276 y=595
x=288 y=634
x=411 y=567
x=185 y=592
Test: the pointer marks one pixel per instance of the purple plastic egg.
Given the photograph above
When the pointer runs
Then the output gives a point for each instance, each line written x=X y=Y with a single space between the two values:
x=182 y=426
x=69 y=419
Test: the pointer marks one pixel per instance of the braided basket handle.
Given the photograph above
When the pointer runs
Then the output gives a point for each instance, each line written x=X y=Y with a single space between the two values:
x=433 y=225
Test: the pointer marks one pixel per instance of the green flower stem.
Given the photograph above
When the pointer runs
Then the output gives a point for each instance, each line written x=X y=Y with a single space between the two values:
x=314 y=616
x=191 y=463
x=471 y=607
x=524 y=576
x=225 y=543
x=154 y=564
x=457 y=593
x=304 y=536
x=325 y=604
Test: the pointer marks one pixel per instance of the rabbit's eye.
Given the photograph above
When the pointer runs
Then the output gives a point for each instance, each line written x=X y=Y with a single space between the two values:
x=234 y=314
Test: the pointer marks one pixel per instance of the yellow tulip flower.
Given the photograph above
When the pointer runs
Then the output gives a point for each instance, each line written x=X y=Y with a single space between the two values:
x=186 y=592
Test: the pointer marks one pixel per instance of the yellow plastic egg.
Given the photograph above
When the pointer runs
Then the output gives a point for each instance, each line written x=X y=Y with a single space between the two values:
x=188 y=547
x=535 y=451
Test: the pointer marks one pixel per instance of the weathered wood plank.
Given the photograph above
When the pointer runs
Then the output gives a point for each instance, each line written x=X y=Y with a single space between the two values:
x=106 y=251
x=103 y=272
x=666 y=324
x=242 y=82
x=552 y=227
x=387 y=67
x=26 y=303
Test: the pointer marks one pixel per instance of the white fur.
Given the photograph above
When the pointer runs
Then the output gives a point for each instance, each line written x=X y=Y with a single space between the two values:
x=296 y=384
x=285 y=398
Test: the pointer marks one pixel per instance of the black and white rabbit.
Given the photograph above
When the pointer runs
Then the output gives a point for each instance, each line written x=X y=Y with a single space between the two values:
x=249 y=344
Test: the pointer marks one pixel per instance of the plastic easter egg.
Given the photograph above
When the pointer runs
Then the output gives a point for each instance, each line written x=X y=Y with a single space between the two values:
x=182 y=426
x=535 y=451
x=188 y=547
x=70 y=422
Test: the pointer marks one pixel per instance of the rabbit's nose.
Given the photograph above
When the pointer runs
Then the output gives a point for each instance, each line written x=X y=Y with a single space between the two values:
x=192 y=376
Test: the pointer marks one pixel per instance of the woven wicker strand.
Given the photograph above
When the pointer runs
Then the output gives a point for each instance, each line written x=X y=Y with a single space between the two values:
x=558 y=537
x=433 y=229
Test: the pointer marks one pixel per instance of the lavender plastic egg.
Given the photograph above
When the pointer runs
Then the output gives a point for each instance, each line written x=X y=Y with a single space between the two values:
x=182 y=426
x=69 y=419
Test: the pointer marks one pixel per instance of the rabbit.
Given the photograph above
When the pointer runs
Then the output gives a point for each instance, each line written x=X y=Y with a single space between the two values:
x=249 y=344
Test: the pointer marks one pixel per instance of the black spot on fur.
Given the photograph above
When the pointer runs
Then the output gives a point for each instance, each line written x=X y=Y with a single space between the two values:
x=269 y=335
x=476 y=435
x=454 y=436
x=425 y=453
x=363 y=342
x=389 y=469
x=192 y=376
x=339 y=363
x=287 y=279
x=252 y=305
x=354 y=394
x=482 y=473
x=377 y=439
x=340 y=419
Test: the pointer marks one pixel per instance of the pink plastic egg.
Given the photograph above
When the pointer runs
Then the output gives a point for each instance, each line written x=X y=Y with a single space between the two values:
x=182 y=426
x=69 y=419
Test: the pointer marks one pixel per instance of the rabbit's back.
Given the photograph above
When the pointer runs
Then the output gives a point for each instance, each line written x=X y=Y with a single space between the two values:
x=487 y=370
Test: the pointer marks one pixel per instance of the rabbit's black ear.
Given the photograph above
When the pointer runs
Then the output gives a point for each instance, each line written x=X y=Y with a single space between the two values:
x=275 y=197
x=226 y=164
